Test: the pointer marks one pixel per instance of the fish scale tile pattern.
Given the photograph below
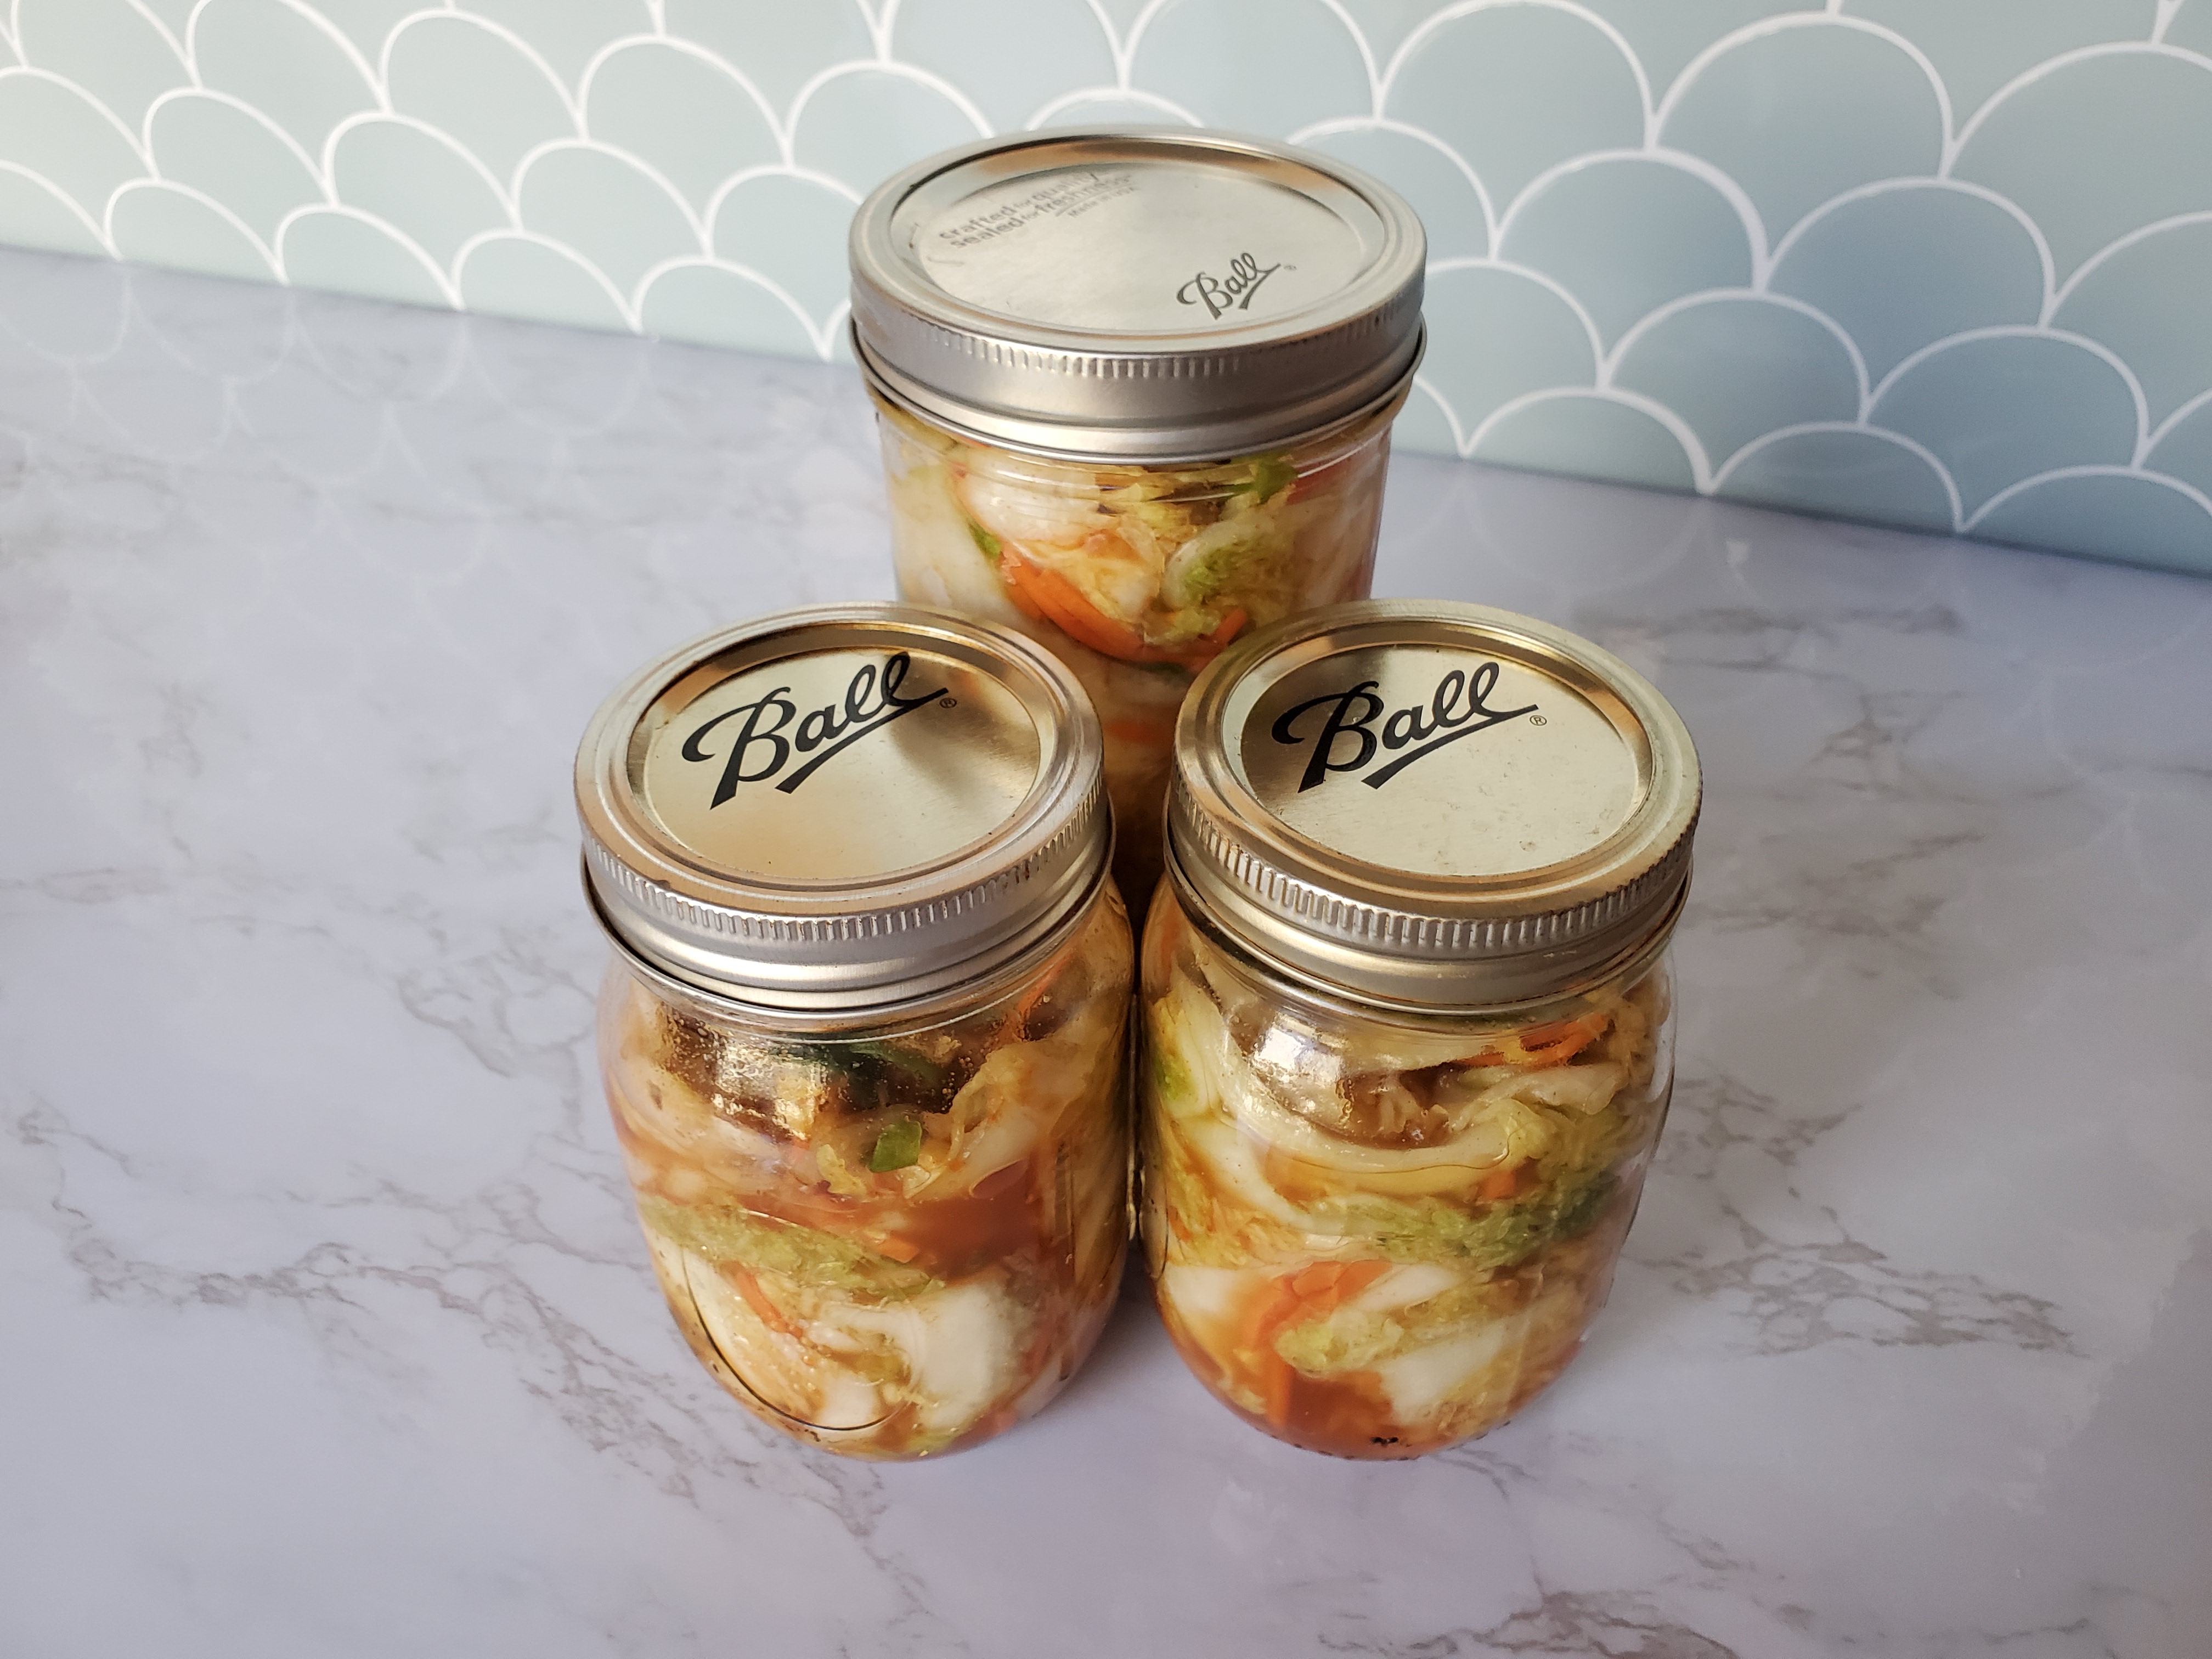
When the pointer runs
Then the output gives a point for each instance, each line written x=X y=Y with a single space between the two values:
x=1946 y=264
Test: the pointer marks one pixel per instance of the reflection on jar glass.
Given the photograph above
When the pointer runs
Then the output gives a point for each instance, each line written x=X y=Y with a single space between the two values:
x=1135 y=393
x=1408 y=1043
x=865 y=1048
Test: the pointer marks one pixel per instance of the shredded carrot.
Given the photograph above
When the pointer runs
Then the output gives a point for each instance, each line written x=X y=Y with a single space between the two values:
x=1349 y=1280
x=1275 y=1387
x=1231 y=626
x=822 y=1210
x=1052 y=598
x=1309 y=1282
x=899 y=1249
x=1544 y=1045
x=1313 y=1292
x=1269 y=1314
x=1499 y=1183
x=1553 y=1045
x=757 y=1300
x=1357 y=1277
x=1045 y=595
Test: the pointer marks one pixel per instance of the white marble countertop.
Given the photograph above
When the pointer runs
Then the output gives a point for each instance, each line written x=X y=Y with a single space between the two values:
x=327 y=1329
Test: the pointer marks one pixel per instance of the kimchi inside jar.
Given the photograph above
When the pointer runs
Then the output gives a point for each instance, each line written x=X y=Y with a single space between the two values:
x=893 y=1241
x=864 y=1032
x=1375 y=1236
x=1135 y=389
x=1135 y=577
x=1407 y=1054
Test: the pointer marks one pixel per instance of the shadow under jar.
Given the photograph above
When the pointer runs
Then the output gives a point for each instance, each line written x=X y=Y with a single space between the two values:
x=1408 y=1018
x=864 y=1032
x=1135 y=389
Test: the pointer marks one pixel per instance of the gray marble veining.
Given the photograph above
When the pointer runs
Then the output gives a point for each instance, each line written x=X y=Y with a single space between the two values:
x=329 y=1330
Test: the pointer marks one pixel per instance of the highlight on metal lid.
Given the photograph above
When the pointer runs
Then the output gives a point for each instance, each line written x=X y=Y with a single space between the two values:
x=841 y=807
x=1136 y=293
x=1436 y=804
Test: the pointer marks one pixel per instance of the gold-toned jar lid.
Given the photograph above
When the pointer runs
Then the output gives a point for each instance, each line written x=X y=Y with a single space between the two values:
x=1437 y=805
x=842 y=807
x=1137 y=293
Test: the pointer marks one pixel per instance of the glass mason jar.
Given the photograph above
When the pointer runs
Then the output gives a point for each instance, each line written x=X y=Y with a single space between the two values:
x=1135 y=391
x=864 y=1032
x=1408 y=1015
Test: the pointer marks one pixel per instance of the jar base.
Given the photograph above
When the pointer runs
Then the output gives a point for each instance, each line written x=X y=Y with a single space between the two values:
x=861 y=1442
x=1323 y=1416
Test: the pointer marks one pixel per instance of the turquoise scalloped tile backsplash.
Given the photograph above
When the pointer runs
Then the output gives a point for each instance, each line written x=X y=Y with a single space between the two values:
x=1939 y=263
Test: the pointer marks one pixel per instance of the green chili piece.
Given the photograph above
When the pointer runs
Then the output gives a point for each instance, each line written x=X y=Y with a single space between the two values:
x=922 y=1069
x=1270 y=474
x=898 y=1147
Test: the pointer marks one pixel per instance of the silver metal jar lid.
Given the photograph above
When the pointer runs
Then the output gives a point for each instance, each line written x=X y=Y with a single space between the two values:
x=1142 y=293
x=842 y=807
x=1434 y=805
